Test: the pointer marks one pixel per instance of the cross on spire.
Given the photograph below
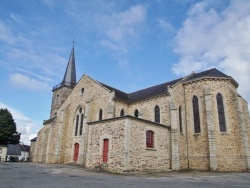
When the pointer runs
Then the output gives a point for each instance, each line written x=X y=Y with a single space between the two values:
x=74 y=42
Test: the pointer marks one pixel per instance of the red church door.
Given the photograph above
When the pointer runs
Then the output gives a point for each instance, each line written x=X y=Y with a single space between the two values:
x=105 y=150
x=76 y=152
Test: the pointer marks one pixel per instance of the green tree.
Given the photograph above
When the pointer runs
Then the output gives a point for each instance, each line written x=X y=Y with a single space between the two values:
x=8 y=133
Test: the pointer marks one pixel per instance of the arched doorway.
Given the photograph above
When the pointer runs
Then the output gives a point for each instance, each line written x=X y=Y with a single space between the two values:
x=76 y=152
x=105 y=150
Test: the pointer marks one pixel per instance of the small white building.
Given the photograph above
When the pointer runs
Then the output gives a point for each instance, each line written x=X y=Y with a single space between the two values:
x=3 y=152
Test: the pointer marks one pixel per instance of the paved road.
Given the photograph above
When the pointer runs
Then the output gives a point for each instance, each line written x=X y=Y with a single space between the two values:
x=25 y=175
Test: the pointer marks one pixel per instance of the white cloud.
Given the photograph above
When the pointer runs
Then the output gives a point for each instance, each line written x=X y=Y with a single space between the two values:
x=6 y=33
x=24 y=81
x=26 y=126
x=121 y=30
x=166 y=26
x=40 y=77
x=121 y=26
x=212 y=38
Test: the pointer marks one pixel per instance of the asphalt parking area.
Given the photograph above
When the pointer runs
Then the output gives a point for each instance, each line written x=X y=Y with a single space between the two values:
x=25 y=175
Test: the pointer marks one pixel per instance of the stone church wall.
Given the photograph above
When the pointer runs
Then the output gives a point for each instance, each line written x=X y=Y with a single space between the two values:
x=127 y=146
x=91 y=100
x=59 y=96
x=228 y=144
x=142 y=158
x=32 y=151
x=146 y=109
x=178 y=100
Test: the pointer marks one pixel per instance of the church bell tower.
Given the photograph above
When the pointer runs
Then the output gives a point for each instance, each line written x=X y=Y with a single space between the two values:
x=62 y=90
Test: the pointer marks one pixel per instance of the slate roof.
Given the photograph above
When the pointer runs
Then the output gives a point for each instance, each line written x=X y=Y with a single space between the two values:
x=33 y=139
x=209 y=73
x=69 y=78
x=16 y=149
x=13 y=149
x=163 y=88
x=151 y=91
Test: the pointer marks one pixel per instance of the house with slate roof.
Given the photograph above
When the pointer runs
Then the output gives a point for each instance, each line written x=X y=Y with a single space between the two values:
x=18 y=152
x=199 y=122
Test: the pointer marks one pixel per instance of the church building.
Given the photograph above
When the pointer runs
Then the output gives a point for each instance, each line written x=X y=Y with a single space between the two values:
x=196 y=122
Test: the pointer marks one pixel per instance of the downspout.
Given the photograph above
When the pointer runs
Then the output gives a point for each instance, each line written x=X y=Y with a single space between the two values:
x=186 y=125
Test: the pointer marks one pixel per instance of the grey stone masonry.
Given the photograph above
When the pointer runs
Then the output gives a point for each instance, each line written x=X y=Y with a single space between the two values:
x=211 y=132
x=174 y=138
x=242 y=123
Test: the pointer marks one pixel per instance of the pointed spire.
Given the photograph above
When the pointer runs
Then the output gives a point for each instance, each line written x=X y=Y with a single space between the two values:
x=69 y=78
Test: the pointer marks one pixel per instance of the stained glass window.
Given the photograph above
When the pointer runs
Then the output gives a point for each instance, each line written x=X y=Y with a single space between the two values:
x=77 y=121
x=81 y=124
x=196 y=114
x=157 y=114
x=221 y=113
x=180 y=119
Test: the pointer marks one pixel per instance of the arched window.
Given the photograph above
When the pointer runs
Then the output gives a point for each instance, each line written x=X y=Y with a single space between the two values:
x=157 y=114
x=122 y=112
x=77 y=121
x=136 y=113
x=82 y=91
x=150 y=139
x=180 y=119
x=221 y=114
x=196 y=114
x=100 y=114
x=81 y=124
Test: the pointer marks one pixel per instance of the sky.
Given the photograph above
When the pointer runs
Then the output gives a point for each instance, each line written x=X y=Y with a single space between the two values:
x=127 y=44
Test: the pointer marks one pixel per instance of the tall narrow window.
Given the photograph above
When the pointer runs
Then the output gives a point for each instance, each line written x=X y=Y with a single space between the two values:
x=150 y=139
x=122 y=112
x=196 y=114
x=100 y=114
x=221 y=113
x=136 y=113
x=77 y=121
x=81 y=124
x=157 y=114
x=180 y=119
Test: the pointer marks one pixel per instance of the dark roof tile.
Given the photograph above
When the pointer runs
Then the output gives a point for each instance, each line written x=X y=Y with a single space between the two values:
x=209 y=73
x=161 y=88
x=14 y=149
x=151 y=91
x=33 y=139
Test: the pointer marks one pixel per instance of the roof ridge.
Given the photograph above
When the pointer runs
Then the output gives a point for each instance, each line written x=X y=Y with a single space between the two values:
x=156 y=85
x=112 y=87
